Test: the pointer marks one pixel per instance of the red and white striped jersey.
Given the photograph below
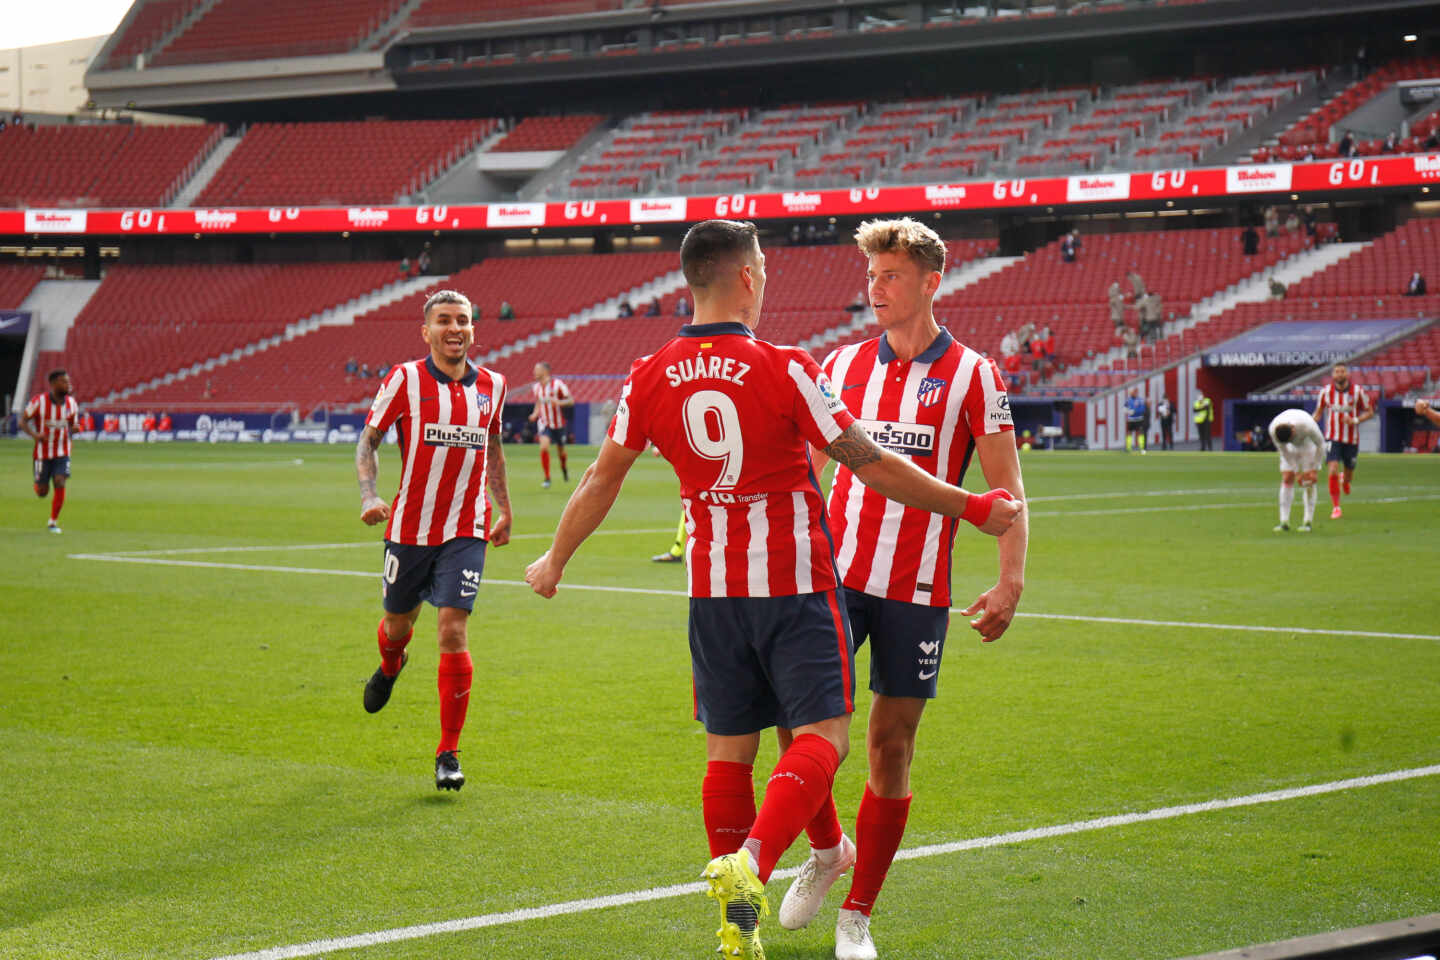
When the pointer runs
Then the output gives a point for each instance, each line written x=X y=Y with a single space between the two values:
x=734 y=416
x=929 y=409
x=1336 y=405
x=54 y=422
x=551 y=416
x=444 y=427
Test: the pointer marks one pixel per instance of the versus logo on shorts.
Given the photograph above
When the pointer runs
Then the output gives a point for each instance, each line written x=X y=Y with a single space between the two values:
x=455 y=435
x=910 y=439
x=998 y=409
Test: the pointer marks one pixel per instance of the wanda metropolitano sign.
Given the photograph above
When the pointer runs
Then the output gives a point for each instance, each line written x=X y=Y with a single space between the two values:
x=1160 y=185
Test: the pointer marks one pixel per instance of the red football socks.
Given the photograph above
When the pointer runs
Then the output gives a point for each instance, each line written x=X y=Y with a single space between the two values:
x=824 y=829
x=57 y=503
x=545 y=463
x=1335 y=489
x=453 y=681
x=727 y=798
x=878 y=828
x=802 y=780
x=391 y=651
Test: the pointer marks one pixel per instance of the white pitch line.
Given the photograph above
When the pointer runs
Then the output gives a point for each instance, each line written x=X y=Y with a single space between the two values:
x=655 y=592
x=359 y=941
x=349 y=544
x=1228 y=505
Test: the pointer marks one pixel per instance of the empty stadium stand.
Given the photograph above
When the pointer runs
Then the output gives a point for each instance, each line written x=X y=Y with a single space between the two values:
x=309 y=370
x=146 y=321
x=152 y=21
x=264 y=29
x=102 y=165
x=343 y=163
x=16 y=282
x=548 y=133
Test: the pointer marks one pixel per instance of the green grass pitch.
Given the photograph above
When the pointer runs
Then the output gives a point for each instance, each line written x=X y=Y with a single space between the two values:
x=187 y=771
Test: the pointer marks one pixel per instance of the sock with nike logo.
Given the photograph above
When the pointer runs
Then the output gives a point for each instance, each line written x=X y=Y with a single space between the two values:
x=454 y=678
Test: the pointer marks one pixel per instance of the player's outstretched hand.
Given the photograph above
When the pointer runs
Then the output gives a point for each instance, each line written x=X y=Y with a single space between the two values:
x=541 y=576
x=996 y=607
x=992 y=511
x=1421 y=406
x=374 y=510
x=500 y=530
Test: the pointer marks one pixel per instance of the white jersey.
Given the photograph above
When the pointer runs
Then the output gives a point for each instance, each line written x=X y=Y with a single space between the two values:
x=1306 y=447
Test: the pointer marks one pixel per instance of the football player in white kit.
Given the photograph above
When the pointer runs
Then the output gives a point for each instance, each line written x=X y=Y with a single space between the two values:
x=1301 y=445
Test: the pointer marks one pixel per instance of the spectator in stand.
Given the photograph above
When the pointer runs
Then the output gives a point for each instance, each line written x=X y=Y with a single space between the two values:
x=1039 y=349
x=1152 y=314
x=364 y=371
x=507 y=312
x=1048 y=336
x=405 y=267
x=1391 y=144
x=654 y=309
x=1026 y=333
x=1277 y=289
x=422 y=262
x=383 y=371
x=1272 y=221
x=163 y=423
x=1416 y=286
x=1432 y=142
x=1137 y=284
x=208 y=392
x=1362 y=63
x=352 y=370
x=1346 y=146
x=625 y=309
x=682 y=307
x=1009 y=344
x=1250 y=241
x=1292 y=221
x=1310 y=229
x=1117 y=307
x=1132 y=342
x=1069 y=246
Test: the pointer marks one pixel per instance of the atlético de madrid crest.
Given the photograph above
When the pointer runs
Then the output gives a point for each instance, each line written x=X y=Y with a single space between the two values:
x=930 y=392
x=482 y=402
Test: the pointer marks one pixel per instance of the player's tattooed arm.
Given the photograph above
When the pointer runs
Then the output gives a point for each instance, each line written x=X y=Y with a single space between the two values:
x=499 y=488
x=854 y=448
x=367 y=468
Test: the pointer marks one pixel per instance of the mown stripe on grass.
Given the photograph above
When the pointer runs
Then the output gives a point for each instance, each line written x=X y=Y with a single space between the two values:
x=419 y=931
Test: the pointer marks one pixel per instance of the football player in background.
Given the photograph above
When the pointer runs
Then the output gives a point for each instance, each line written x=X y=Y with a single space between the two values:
x=1301 y=446
x=50 y=419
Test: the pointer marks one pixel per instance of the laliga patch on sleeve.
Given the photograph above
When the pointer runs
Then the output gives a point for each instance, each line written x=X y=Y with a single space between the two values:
x=997 y=410
x=832 y=399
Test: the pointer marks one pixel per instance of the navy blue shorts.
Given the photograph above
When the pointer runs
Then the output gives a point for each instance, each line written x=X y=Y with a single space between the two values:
x=1345 y=453
x=54 y=467
x=556 y=435
x=447 y=575
x=906 y=643
x=759 y=662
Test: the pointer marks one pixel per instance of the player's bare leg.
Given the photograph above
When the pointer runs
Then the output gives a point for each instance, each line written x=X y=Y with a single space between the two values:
x=564 y=462
x=1287 y=500
x=453 y=682
x=393 y=635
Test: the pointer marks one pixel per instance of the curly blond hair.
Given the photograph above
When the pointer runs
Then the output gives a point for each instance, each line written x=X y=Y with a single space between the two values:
x=902 y=235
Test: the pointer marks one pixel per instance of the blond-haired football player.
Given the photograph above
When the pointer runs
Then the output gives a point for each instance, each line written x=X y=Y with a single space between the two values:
x=923 y=395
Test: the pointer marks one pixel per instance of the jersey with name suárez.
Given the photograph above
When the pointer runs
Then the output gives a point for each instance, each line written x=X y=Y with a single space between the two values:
x=929 y=409
x=734 y=415
x=1335 y=405
x=549 y=414
x=54 y=422
x=444 y=427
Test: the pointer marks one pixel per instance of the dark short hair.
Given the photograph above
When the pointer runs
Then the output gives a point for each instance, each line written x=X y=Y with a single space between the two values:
x=711 y=244
x=1282 y=433
x=54 y=375
x=446 y=296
